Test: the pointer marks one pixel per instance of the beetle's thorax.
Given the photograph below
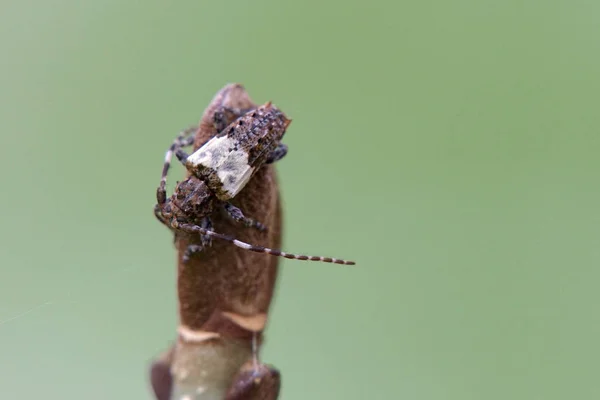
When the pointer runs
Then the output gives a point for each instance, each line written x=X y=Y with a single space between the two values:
x=192 y=200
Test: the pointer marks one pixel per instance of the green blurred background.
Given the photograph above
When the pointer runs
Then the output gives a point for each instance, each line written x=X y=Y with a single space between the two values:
x=451 y=148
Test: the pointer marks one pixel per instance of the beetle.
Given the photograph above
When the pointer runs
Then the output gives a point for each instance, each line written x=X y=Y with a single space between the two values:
x=219 y=170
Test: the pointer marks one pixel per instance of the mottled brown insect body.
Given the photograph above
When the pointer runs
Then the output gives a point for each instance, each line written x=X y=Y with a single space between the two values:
x=228 y=161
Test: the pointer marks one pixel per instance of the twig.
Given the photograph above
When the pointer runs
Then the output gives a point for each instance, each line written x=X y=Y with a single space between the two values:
x=224 y=294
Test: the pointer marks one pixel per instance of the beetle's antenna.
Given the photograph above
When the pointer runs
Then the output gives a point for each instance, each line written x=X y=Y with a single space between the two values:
x=190 y=228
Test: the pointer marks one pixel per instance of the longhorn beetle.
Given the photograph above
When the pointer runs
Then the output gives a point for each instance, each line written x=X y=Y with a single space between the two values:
x=227 y=161
x=220 y=169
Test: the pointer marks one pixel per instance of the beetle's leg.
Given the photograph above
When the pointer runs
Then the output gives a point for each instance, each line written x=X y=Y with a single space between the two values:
x=182 y=140
x=205 y=241
x=191 y=250
x=159 y=214
x=237 y=215
x=206 y=223
x=181 y=155
x=223 y=116
x=277 y=154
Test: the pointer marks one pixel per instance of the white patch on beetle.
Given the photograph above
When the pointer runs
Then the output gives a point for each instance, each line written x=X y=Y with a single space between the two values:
x=231 y=166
